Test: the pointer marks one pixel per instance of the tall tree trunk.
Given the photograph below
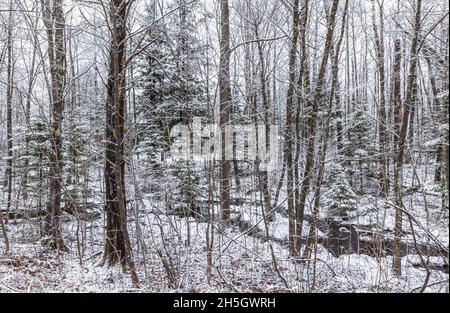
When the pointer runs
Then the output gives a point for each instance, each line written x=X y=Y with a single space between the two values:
x=382 y=135
x=403 y=113
x=72 y=180
x=446 y=156
x=9 y=95
x=397 y=126
x=31 y=80
x=334 y=98
x=264 y=179
x=312 y=123
x=55 y=25
x=8 y=172
x=436 y=109
x=289 y=134
x=117 y=242
x=225 y=110
x=304 y=87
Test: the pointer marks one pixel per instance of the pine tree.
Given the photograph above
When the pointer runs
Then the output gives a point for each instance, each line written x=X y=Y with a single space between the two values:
x=38 y=167
x=171 y=91
x=79 y=153
x=339 y=199
x=357 y=148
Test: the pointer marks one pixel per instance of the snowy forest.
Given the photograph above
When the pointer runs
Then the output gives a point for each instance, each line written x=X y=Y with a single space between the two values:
x=212 y=146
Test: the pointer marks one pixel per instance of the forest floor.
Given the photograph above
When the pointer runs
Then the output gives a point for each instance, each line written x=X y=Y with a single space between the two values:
x=242 y=259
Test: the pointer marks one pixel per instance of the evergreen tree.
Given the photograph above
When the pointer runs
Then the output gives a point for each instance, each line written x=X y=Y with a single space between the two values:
x=80 y=157
x=38 y=166
x=358 y=146
x=339 y=199
x=170 y=88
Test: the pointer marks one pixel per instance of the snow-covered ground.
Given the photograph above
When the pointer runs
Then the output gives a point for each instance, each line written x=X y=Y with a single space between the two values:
x=242 y=261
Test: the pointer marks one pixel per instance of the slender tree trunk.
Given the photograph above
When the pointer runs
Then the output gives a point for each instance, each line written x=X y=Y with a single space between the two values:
x=289 y=135
x=398 y=119
x=210 y=225
x=225 y=109
x=304 y=86
x=382 y=135
x=55 y=25
x=9 y=95
x=31 y=80
x=72 y=180
x=413 y=113
x=8 y=172
x=4 y=233
x=446 y=156
x=334 y=97
x=405 y=113
x=436 y=110
x=263 y=177
x=312 y=123
x=117 y=242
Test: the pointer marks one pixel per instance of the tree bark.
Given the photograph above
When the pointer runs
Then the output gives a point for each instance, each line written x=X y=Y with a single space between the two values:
x=398 y=118
x=53 y=16
x=382 y=135
x=263 y=177
x=117 y=244
x=404 y=113
x=225 y=110
x=9 y=95
x=312 y=124
x=303 y=85
x=30 y=84
x=334 y=97
x=289 y=135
